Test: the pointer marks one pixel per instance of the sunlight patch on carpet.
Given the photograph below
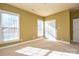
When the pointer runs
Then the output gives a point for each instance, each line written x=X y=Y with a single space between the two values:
x=57 y=53
x=32 y=51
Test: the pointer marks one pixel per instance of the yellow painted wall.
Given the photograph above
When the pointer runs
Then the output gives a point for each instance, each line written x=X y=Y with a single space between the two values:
x=28 y=22
x=63 y=23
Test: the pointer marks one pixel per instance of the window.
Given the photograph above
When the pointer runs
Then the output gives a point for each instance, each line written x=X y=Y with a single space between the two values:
x=9 y=26
x=40 y=28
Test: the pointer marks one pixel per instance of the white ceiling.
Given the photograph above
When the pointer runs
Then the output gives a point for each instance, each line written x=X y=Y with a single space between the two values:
x=44 y=9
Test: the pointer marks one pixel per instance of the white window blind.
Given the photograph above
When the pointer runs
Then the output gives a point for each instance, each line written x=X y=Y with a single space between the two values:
x=9 y=26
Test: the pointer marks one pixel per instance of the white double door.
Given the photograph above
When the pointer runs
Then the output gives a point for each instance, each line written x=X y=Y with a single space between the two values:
x=75 y=30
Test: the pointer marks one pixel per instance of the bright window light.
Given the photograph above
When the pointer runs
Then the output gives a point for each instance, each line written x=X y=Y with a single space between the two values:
x=40 y=27
x=9 y=26
x=50 y=30
x=58 y=53
x=32 y=51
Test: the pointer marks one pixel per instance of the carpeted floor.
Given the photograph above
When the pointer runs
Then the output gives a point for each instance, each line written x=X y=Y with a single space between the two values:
x=52 y=46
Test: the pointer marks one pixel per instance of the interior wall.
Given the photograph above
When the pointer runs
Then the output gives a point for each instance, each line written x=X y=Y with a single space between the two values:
x=28 y=22
x=63 y=24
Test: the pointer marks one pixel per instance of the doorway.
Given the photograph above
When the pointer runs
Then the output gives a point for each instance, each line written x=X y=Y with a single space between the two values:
x=50 y=30
x=76 y=30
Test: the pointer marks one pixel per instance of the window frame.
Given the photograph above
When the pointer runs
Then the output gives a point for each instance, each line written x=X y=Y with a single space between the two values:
x=42 y=31
x=12 y=13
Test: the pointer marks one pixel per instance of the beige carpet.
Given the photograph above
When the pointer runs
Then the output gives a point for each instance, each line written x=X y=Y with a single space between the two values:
x=52 y=46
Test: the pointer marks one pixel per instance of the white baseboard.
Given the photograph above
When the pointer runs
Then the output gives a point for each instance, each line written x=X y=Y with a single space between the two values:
x=28 y=42
x=18 y=44
x=4 y=42
x=63 y=42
